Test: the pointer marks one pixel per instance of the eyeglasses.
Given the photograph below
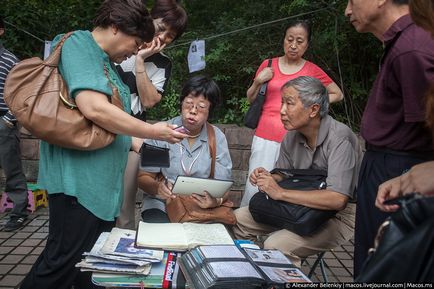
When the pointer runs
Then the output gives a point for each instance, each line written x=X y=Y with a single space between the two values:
x=189 y=105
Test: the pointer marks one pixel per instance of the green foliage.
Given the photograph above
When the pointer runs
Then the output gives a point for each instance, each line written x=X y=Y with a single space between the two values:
x=44 y=19
x=232 y=59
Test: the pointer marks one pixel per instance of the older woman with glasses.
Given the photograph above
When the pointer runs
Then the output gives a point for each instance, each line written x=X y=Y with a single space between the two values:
x=191 y=157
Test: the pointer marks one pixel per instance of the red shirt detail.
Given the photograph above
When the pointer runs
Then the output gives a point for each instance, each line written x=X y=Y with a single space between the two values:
x=270 y=127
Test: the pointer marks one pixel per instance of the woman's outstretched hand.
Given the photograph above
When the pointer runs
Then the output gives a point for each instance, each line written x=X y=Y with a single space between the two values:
x=164 y=131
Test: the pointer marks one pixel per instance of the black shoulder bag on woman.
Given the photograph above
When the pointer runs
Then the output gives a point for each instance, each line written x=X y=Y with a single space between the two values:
x=251 y=119
x=299 y=219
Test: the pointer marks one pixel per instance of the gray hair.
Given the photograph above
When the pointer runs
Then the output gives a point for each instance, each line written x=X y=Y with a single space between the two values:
x=311 y=91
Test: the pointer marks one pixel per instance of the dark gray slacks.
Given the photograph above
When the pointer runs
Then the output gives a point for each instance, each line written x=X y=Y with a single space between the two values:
x=10 y=161
x=376 y=168
x=73 y=230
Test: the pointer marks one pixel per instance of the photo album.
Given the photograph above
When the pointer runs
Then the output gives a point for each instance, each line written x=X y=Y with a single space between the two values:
x=227 y=266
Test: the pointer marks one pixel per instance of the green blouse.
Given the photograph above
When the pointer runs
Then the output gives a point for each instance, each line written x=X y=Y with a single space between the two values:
x=95 y=177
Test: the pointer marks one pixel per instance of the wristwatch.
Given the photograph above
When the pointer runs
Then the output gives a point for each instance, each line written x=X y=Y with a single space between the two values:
x=8 y=123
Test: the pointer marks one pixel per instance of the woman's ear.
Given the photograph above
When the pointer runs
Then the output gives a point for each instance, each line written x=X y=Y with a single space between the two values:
x=114 y=29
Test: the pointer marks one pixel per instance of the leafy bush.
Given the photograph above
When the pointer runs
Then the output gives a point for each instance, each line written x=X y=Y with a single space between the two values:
x=231 y=58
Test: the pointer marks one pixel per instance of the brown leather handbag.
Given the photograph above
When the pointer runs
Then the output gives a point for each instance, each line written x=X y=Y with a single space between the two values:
x=38 y=97
x=184 y=209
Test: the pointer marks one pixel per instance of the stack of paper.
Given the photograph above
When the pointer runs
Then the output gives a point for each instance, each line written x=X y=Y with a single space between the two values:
x=165 y=274
x=116 y=262
x=114 y=252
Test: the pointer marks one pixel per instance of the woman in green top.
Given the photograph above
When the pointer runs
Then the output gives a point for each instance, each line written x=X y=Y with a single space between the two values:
x=85 y=187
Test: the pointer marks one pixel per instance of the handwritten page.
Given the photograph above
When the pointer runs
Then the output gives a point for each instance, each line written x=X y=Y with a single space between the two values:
x=207 y=234
x=234 y=269
x=161 y=235
x=221 y=252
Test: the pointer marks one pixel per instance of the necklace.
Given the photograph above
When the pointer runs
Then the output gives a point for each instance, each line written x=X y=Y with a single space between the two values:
x=194 y=136
x=187 y=171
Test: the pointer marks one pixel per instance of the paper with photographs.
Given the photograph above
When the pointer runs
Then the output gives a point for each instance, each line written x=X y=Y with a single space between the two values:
x=267 y=256
x=121 y=242
x=106 y=258
x=284 y=275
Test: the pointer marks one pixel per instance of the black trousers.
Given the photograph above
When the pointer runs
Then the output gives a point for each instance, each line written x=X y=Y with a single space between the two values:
x=377 y=167
x=10 y=161
x=72 y=230
x=155 y=216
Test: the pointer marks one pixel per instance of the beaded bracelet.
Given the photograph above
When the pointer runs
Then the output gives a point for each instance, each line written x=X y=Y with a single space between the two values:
x=219 y=201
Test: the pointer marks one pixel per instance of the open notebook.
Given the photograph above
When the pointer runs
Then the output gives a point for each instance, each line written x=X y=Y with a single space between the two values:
x=180 y=236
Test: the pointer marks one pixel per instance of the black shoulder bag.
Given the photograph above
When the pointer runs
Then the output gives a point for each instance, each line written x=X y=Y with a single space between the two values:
x=283 y=215
x=251 y=119
x=404 y=246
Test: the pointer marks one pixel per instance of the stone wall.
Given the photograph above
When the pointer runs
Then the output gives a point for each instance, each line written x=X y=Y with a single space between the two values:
x=239 y=140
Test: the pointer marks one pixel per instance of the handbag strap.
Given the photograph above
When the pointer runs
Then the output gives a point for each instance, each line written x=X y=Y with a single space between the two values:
x=54 y=57
x=212 y=151
x=263 y=88
x=212 y=147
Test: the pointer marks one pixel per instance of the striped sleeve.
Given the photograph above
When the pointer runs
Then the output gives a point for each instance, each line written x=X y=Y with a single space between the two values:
x=7 y=61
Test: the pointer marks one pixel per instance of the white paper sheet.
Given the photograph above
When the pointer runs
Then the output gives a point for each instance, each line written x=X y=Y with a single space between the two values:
x=196 y=56
x=234 y=269
x=221 y=252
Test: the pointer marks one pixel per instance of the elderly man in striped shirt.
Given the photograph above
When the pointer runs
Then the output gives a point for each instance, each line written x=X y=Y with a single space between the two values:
x=10 y=154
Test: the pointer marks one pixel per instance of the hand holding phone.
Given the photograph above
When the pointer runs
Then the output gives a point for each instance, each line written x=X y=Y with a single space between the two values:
x=182 y=129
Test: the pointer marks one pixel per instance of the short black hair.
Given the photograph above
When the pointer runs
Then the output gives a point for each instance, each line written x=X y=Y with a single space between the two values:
x=202 y=85
x=172 y=14
x=303 y=23
x=2 y=23
x=129 y=16
x=401 y=2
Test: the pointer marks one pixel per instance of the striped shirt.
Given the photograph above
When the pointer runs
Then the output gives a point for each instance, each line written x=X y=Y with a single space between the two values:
x=7 y=61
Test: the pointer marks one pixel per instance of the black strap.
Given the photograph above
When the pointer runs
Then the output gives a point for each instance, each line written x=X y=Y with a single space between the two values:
x=263 y=88
x=212 y=147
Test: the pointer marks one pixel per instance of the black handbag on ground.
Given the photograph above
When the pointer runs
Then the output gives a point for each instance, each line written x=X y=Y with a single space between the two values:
x=283 y=215
x=251 y=119
x=154 y=156
x=404 y=246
